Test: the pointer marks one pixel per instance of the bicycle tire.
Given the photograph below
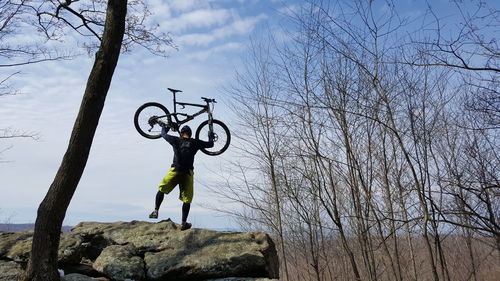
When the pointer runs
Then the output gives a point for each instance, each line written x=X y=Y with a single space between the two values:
x=143 y=116
x=220 y=130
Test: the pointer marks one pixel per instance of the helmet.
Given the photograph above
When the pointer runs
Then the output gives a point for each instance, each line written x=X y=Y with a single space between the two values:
x=186 y=130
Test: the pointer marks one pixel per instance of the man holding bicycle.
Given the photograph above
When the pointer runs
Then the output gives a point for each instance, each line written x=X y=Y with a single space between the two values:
x=181 y=171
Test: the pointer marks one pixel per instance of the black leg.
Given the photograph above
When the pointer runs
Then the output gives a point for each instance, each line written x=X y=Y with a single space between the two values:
x=159 y=198
x=185 y=211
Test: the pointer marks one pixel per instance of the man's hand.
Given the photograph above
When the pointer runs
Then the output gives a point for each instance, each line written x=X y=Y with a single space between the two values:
x=153 y=120
x=211 y=136
x=161 y=123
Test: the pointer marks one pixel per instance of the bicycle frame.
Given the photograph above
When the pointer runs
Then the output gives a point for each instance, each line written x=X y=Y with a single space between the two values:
x=205 y=108
x=153 y=119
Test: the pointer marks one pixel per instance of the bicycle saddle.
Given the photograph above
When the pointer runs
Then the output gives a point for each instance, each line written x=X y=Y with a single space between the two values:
x=174 y=90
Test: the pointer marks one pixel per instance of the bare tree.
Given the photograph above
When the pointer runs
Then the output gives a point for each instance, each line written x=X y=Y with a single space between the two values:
x=469 y=160
x=378 y=158
x=472 y=51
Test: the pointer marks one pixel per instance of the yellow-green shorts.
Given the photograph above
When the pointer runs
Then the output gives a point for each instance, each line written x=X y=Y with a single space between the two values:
x=183 y=179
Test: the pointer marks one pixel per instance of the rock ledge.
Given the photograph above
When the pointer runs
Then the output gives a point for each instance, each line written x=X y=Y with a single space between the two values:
x=146 y=251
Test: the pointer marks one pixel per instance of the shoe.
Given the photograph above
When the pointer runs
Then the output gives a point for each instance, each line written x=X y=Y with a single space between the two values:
x=154 y=214
x=185 y=226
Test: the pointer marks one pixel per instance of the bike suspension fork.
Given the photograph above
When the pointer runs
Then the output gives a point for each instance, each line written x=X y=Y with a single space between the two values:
x=210 y=118
x=210 y=123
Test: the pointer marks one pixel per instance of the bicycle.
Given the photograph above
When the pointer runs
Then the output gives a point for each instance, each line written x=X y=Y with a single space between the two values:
x=148 y=116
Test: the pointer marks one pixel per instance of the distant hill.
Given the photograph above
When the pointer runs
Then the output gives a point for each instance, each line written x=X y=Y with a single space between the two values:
x=12 y=227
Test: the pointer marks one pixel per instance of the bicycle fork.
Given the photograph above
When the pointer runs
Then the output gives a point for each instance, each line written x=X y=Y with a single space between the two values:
x=210 y=123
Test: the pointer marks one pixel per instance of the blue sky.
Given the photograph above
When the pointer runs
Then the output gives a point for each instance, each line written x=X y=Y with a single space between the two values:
x=124 y=169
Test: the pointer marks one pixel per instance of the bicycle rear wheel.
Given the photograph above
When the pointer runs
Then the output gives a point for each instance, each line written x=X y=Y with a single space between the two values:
x=145 y=116
x=222 y=137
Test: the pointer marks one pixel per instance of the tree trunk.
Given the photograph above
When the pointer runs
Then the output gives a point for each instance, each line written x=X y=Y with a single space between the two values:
x=52 y=210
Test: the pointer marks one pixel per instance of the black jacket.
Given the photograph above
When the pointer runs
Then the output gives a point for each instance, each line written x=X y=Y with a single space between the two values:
x=184 y=150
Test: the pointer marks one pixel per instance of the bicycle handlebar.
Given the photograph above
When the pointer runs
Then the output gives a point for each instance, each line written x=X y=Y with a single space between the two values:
x=208 y=100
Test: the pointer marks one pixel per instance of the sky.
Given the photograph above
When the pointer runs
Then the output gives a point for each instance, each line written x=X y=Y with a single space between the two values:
x=124 y=169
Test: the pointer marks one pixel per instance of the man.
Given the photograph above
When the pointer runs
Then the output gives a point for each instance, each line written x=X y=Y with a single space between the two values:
x=181 y=171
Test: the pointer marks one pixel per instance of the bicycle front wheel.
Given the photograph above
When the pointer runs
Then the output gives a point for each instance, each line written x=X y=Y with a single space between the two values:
x=222 y=137
x=145 y=119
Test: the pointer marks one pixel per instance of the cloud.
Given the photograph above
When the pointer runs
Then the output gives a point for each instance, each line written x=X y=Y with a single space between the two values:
x=238 y=27
x=202 y=18
x=203 y=55
x=183 y=5
x=186 y=5
x=159 y=8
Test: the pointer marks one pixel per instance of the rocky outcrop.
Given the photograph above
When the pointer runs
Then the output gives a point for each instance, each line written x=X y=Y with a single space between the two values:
x=10 y=270
x=121 y=262
x=151 y=251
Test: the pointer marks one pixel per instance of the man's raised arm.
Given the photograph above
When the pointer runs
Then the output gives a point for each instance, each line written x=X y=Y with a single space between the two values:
x=209 y=143
x=166 y=136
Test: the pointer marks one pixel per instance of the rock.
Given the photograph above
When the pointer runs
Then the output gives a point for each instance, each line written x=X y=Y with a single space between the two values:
x=76 y=277
x=10 y=271
x=74 y=247
x=120 y=263
x=70 y=249
x=155 y=251
x=144 y=235
x=203 y=254
x=85 y=269
x=16 y=245
x=196 y=253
